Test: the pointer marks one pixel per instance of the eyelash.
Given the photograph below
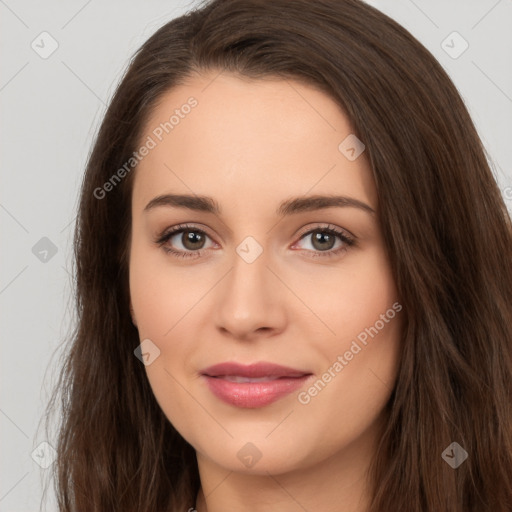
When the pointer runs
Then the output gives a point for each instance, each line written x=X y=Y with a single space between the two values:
x=331 y=230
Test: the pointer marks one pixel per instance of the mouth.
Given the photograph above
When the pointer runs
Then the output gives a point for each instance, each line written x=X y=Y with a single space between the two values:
x=252 y=386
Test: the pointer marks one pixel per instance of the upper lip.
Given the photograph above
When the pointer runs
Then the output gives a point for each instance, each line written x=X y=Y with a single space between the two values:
x=255 y=370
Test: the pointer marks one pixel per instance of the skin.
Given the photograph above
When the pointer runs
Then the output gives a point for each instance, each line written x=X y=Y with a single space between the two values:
x=251 y=144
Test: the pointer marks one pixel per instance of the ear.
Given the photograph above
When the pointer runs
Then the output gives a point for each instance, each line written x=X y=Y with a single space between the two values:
x=134 y=320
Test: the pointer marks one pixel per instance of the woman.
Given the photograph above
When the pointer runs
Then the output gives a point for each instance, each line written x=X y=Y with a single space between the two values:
x=293 y=277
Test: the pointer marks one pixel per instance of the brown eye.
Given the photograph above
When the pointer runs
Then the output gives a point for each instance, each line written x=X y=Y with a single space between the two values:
x=192 y=240
x=184 y=241
x=325 y=241
x=322 y=240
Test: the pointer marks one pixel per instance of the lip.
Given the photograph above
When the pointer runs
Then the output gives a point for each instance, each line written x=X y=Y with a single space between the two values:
x=254 y=385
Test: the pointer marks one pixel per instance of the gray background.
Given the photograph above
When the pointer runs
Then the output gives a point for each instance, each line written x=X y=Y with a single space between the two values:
x=51 y=108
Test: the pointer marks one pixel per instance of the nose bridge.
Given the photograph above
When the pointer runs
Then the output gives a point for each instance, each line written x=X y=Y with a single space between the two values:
x=249 y=277
x=250 y=298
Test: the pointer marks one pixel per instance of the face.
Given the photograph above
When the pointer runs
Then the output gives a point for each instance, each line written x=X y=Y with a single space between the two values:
x=256 y=246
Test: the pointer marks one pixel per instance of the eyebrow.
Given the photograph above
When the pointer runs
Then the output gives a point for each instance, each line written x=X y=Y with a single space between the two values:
x=288 y=207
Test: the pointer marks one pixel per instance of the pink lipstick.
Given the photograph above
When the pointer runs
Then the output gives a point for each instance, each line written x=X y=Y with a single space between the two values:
x=254 y=385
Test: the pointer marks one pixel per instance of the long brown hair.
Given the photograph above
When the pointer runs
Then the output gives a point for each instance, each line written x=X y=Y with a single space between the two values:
x=446 y=228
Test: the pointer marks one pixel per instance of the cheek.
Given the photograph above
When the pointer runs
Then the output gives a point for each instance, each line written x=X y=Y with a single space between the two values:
x=360 y=357
x=161 y=293
x=349 y=394
x=161 y=300
x=166 y=299
x=346 y=299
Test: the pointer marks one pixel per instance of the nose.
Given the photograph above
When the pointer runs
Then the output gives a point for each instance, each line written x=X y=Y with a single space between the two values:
x=251 y=301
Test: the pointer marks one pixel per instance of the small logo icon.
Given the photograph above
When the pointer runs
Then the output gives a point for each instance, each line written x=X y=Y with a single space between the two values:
x=249 y=455
x=44 y=250
x=44 y=45
x=147 y=352
x=44 y=455
x=351 y=147
x=454 y=45
x=454 y=455
x=249 y=250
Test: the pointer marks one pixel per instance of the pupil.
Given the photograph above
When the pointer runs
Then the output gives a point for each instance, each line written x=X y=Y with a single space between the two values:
x=192 y=240
x=321 y=240
x=321 y=237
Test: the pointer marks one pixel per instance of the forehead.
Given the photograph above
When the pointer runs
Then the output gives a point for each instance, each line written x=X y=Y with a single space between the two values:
x=226 y=136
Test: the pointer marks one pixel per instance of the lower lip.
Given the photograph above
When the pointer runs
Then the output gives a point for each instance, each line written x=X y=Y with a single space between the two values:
x=253 y=394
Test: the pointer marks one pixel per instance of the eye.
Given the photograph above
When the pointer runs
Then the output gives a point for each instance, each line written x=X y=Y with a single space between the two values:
x=191 y=239
x=185 y=241
x=322 y=241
